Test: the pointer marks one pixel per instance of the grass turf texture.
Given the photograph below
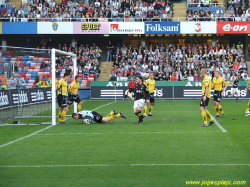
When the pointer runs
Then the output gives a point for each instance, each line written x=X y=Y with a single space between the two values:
x=122 y=153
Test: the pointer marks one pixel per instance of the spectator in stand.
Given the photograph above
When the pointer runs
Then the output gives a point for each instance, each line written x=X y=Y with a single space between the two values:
x=43 y=65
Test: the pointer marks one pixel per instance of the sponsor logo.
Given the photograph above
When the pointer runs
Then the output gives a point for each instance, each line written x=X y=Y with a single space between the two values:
x=118 y=84
x=161 y=28
x=55 y=26
x=196 y=84
x=37 y=96
x=234 y=28
x=91 y=27
x=4 y=100
x=20 y=98
x=198 y=27
x=158 y=93
x=49 y=95
x=115 y=28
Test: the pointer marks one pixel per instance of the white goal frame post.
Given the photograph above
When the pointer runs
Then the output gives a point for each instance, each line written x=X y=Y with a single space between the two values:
x=54 y=52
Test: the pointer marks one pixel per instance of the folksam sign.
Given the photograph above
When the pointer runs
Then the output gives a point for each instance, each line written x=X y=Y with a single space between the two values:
x=162 y=28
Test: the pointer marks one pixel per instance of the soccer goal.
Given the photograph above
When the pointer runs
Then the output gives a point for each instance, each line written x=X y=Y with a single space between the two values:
x=28 y=79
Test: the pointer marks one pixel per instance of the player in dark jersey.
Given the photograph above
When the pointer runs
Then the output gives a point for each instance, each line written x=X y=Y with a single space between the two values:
x=131 y=87
x=235 y=88
x=140 y=95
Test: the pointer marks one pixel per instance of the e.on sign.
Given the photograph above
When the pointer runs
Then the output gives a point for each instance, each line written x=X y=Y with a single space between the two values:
x=233 y=27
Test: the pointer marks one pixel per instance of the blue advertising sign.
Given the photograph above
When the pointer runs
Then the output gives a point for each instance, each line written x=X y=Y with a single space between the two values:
x=19 y=27
x=162 y=28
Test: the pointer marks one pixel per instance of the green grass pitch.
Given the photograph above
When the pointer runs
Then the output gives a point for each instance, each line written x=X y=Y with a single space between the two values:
x=168 y=149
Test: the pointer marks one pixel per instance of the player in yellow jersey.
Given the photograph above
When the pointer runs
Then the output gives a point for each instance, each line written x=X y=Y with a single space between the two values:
x=62 y=88
x=150 y=83
x=218 y=84
x=248 y=105
x=206 y=95
x=73 y=93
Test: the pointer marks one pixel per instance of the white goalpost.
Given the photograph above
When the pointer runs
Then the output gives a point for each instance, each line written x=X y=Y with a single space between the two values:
x=54 y=54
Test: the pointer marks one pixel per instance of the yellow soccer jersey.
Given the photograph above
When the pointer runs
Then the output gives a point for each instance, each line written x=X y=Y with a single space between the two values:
x=218 y=83
x=62 y=87
x=206 y=83
x=74 y=86
x=151 y=85
x=248 y=82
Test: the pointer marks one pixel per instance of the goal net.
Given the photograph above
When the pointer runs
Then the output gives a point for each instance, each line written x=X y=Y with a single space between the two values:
x=28 y=79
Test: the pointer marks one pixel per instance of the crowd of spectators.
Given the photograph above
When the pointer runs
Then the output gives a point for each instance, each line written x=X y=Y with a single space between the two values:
x=79 y=10
x=235 y=10
x=176 y=62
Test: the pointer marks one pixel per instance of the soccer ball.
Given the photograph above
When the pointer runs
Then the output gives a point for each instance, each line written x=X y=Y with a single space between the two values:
x=86 y=121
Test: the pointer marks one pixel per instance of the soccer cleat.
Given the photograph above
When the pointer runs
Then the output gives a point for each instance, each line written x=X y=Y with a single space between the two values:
x=205 y=125
x=115 y=112
x=62 y=122
x=145 y=115
x=217 y=116
x=140 y=120
x=150 y=115
x=211 y=123
x=247 y=112
x=123 y=99
x=222 y=115
x=247 y=115
x=122 y=115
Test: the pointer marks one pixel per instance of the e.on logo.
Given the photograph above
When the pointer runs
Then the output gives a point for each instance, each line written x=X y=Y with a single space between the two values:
x=198 y=27
x=233 y=27
x=236 y=28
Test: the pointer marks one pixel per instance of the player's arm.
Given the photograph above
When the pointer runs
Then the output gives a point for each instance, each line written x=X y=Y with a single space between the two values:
x=146 y=92
x=90 y=118
x=225 y=88
x=212 y=84
x=247 y=88
x=70 y=89
x=206 y=91
x=59 y=85
x=133 y=98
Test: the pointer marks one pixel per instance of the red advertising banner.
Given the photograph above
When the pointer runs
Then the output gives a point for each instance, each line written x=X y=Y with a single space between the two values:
x=233 y=27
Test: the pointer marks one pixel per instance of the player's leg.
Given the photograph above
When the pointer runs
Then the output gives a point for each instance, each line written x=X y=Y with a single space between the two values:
x=248 y=107
x=216 y=108
x=125 y=95
x=138 y=105
x=152 y=104
x=145 y=108
x=220 y=107
x=64 y=109
x=237 y=94
x=59 y=100
x=204 y=116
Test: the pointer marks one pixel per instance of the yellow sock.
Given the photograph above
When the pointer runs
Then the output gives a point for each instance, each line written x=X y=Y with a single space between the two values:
x=114 y=116
x=110 y=114
x=138 y=114
x=248 y=107
x=150 y=109
x=216 y=110
x=145 y=110
x=209 y=115
x=63 y=113
x=60 y=116
x=204 y=116
x=221 y=110
x=79 y=108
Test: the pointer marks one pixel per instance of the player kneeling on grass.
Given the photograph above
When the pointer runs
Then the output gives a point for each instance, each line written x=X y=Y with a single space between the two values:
x=206 y=95
x=89 y=116
x=73 y=93
x=140 y=95
x=218 y=83
x=248 y=105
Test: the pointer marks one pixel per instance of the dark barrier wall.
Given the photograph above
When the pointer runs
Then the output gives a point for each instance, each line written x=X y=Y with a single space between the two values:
x=10 y=98
x=166 y=90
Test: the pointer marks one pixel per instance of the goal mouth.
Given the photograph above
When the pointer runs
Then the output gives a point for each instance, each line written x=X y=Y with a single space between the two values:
x=27 y=89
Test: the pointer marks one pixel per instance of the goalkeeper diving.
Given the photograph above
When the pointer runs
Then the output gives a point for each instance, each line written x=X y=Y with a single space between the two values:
x=90 y=116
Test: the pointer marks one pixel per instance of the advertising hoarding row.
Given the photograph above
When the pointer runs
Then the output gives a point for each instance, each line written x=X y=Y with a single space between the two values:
x=166 y=90
x=223 y=27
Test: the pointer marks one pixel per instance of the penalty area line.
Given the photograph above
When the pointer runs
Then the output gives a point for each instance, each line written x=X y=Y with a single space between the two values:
x=120 y=165
x=219 y=125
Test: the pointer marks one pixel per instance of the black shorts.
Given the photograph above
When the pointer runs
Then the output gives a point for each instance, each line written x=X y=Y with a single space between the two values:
x=73 y=98
x=61 y=99
x=217 y=96
x=151 y=98
x=131 y=90
x=97 y=117
x=204 y=104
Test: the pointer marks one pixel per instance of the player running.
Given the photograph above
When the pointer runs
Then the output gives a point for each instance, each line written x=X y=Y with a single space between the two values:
x=206 y=95
x=90 y=116
x=131 y=87
x=218 y=83
x=150 y=83
x=61 y=97
x=73 y=93
x=140 y=95
x=248 y=105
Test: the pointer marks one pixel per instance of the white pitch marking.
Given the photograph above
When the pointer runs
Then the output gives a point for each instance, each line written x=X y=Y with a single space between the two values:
x=219 y=125
x=34 y=133
x=19 y=139
x=120 y=165
x=97 y=133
